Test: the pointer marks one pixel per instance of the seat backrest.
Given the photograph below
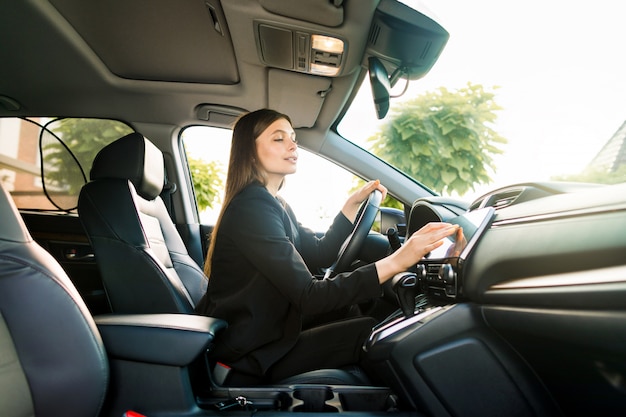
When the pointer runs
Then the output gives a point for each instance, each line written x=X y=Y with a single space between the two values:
x=143 y=261
x=52 y=360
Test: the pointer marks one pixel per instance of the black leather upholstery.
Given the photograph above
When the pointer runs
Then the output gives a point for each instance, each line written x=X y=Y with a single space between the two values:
x=58 y=351
x=144 y=263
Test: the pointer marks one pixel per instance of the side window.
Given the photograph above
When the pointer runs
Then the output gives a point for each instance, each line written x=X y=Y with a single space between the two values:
x=316 y=192
x=208 y=150
x=20 y=168
x=69 y=146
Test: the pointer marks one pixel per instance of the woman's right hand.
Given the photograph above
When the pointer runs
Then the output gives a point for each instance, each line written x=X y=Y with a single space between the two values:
x=425 y=240
x=352 y=205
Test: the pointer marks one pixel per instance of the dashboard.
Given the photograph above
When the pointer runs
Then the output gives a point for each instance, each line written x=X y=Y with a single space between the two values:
x=536 y=293
x=516 y=234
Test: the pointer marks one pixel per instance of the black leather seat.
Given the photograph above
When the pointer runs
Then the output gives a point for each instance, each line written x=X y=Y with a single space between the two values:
x=52 y=361
x=144 y=263
x=55 y=358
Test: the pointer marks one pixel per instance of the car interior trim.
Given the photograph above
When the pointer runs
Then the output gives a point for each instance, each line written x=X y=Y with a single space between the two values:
x=617 y=207
x=616 y=274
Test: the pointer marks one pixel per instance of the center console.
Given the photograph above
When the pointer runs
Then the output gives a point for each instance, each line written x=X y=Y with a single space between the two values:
x=438 y=354
x=440 y=272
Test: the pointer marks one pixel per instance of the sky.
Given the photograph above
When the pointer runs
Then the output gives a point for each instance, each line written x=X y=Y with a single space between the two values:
x=559 y=66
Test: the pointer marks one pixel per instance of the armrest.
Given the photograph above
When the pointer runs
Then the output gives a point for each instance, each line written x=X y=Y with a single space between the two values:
x=167 y=339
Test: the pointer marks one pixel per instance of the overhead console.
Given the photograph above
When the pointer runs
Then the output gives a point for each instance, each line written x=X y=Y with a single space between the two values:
x=405 y=38
x=311 y=36
x=296 y=49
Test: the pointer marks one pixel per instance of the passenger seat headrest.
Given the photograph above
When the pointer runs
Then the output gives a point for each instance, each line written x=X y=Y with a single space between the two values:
x=135 y=158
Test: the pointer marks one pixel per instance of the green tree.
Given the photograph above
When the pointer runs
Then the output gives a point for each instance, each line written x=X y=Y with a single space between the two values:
x=207 y=181
x=443 y=138
x=76 y=140
x=389 y=200
x=68 y=148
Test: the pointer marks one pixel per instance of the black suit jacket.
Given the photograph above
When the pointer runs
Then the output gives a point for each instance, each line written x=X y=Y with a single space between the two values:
x=261 y=283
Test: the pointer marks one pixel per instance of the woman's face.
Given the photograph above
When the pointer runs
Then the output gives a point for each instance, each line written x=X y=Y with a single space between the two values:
x=277 y=150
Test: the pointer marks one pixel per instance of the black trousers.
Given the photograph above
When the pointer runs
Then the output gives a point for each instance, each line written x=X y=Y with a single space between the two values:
x=328 y=341
x=328 y=346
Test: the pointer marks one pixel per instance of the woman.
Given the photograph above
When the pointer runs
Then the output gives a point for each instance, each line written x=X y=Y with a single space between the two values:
x=260 y=259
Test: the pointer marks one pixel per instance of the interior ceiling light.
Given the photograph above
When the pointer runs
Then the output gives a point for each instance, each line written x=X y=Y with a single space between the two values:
x=327 y=44
x=295 y=49
x=326 y=54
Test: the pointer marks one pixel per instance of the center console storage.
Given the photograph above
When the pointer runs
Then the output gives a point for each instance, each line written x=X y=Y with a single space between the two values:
x=152 y=359
x=445 y=361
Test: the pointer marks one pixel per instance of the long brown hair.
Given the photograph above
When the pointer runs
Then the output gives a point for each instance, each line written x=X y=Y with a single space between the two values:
x=243 y=165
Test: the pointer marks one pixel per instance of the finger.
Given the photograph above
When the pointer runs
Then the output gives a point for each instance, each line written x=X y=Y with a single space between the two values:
x=433 y=226
x=372 y=185
x=382 y=189
x=375 y=185
x=448 y=231
x=433 y=246
x=437 y=244
x=438 y=234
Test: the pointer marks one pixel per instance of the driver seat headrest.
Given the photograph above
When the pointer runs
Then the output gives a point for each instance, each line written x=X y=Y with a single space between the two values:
x=135 y=158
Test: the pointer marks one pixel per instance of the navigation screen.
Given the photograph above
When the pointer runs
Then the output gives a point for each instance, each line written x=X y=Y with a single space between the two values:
x=473 y=223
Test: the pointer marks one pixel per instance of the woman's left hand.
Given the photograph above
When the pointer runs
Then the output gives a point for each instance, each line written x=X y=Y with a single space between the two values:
x=351 y=207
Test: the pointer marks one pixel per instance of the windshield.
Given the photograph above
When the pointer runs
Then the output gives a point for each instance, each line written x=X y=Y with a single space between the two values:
x=523 y=91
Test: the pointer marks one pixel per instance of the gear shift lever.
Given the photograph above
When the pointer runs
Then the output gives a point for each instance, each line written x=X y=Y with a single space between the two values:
x=404 y=285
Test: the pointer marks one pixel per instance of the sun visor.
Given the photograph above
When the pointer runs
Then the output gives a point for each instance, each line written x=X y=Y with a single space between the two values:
x=291 y=90
x=135 y=41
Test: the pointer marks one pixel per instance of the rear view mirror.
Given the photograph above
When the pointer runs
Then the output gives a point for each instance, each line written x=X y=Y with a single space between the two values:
x=379 y=80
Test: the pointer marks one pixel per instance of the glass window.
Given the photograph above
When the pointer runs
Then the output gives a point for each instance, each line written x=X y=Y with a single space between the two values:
x=316 y=192
x=69 y=146
x=544 y=80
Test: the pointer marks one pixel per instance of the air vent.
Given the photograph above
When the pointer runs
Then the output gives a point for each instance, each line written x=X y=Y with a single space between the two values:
x=505 y=199
x=498 y=200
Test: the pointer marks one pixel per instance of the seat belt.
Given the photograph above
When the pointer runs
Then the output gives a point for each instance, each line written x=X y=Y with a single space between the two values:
x=166 y=195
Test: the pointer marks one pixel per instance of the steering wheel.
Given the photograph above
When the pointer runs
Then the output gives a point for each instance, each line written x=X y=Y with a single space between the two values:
x=352 y=245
